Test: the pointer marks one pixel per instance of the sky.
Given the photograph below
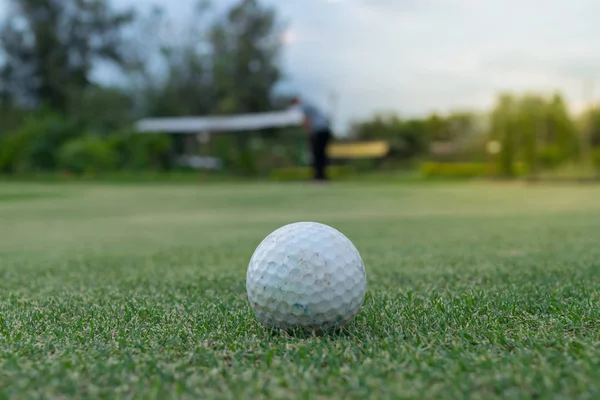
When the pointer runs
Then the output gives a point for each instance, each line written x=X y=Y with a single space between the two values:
x=355 y=58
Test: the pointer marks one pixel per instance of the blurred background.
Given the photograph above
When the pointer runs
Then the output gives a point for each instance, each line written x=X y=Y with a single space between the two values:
x=415 y=89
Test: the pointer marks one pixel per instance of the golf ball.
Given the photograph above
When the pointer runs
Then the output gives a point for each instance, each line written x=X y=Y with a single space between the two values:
x=306 y=275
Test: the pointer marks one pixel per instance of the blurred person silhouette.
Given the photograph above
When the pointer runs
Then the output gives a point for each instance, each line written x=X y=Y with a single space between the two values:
x=316 y=125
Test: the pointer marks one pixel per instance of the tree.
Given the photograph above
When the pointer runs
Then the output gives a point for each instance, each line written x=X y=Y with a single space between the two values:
x=102 y=109
x=461 y=126
x=245 y=48
x=531 y=116
x=504 y=126
x=408 y=138
x=437 y=128
x=181 y=84
x=561 y=128
x=49 y=48
x=534 y=129
x=225 y=66
x=591 y=126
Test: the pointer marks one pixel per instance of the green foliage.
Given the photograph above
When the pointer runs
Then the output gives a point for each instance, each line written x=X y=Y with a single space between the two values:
x=363 y=165
x=455 y=170
x=137 y=152
x=11 y=118
x=34 y=145
x=223 y=147
x=418 y=137
x=87 y=154
x=408 y=138
x=45 y=142
x=550 y=157
x=238 y=155
x=306 y=173
x=186 y=86
x=11 y=148
x=222 y=65
x=102 y=109
x=462 y=127
x=504 y=130
x=561 y=128
x=246 y=162
x=257 y=153
x=465 y=170
x=533 y=129
x=246 y=45
x=50 y=55
x=227 y=65
x=596 y=158
x=590 y=126
x=436 y=127
x=531 y=114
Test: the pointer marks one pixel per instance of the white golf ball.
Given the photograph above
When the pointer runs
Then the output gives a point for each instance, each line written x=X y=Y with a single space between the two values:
x=306 y=275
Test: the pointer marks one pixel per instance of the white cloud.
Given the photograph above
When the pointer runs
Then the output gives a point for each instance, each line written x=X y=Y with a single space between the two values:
x=432 y=54
x=414 y=56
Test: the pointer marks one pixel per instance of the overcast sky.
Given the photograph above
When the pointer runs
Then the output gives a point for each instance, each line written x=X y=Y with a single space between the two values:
x=416 y=56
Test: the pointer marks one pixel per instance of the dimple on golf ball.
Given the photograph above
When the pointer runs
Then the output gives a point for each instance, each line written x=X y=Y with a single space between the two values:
x=306 y=275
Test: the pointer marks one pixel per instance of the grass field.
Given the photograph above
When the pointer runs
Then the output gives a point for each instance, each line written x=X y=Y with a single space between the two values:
x=474 y=291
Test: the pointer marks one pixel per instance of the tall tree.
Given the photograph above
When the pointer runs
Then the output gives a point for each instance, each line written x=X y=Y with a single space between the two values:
x=225 y=65
x=180 y=83
x=49 y=48
x=245 y=49
x=532 y=128
x=408 y=137
x=504 y=127
x=590 y=126
x=561 y=128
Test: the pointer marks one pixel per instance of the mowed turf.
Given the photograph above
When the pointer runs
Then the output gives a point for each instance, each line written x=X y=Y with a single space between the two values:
x=474 y=291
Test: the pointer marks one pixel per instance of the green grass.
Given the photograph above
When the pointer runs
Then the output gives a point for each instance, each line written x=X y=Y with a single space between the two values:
x=474 y=291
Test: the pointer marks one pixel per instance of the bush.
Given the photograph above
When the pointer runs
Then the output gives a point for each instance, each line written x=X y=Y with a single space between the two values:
x=33 y=147
x=246 y=163
x=364 y=165
x=550 y=157
x=306 y=173
x=136 y=151
x=463 y=170
x=12 y=147
x=596 y=157
x=88 y=154
x=11 y=119
x=40 y=144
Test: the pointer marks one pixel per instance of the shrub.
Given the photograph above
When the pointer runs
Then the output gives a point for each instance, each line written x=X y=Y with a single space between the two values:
x=596 y=157
x=141 y=151
x=454 y=170
x=550 y=157
x=35 y=144
x=364 y=165
x=88 y=154
x=246 y=163
x=306 y=173
x=463 y=170
x=12 y=147
x=11 y=119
